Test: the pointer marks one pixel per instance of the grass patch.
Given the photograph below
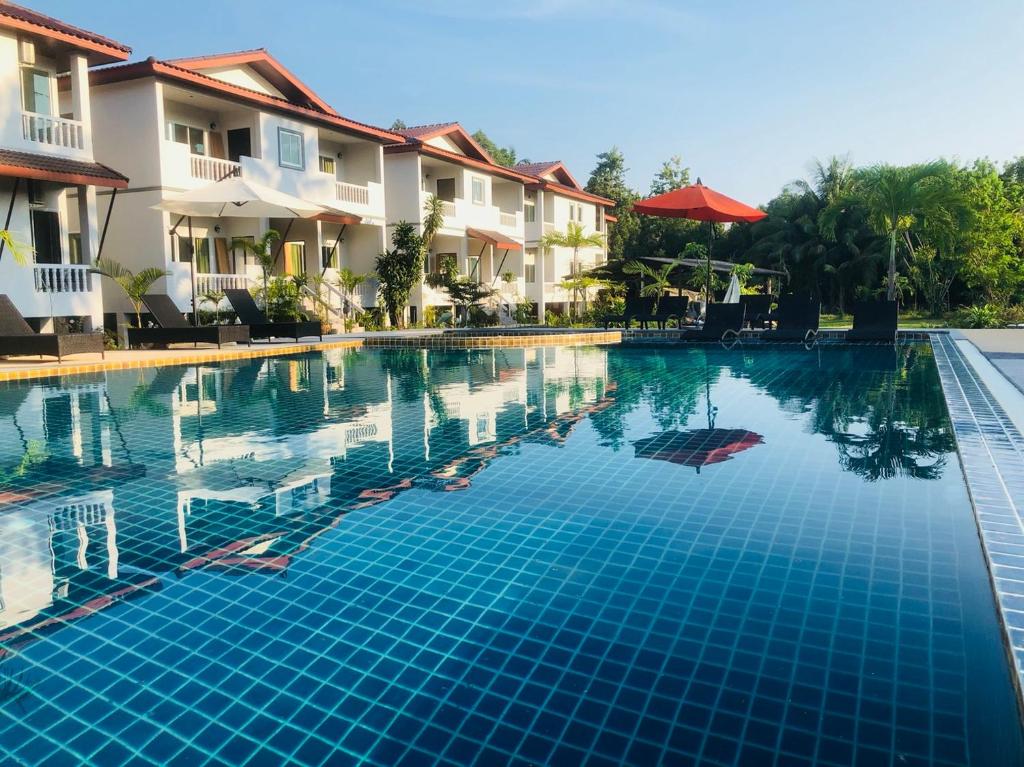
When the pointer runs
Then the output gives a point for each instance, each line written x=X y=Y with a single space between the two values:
x=909 y=321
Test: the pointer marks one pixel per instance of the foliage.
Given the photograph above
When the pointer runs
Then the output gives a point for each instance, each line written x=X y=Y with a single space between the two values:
x=464 y=292
x=398 y=124
x=213 y=297
x=574 y=237
x=743 y=273
x=654 y=281
x=502 y=155
x=608 y=179
x=348 y=282
x=525 y=313
x=699 y=281
x=283 y=299
x=399 y=269
x=980 y=316
x=135 y=286
x=20 y=251
x=262 y=250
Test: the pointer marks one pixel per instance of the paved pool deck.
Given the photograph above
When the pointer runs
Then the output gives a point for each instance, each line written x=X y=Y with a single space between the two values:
x=1003 y=348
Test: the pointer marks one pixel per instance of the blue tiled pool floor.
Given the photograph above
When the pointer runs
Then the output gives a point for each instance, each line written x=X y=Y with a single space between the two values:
x=550 y=556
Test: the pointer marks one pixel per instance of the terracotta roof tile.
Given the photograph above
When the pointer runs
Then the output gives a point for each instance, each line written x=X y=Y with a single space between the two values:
x=537 y=169
x=418 y=131
x=61 y=169
x=11 y=12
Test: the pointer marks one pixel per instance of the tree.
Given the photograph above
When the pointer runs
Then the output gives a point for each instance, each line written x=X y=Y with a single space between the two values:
x=502 y=155
x=348 y=282
x=896 y=199
x=463 y=291
x=608 y=179
x=433 y=220
x=673 y=175
x=399 y=124
x=574 y=237
x=399 y=269
x=135 y=286
x=213 y=297
x=20 y=252
x=263 y=251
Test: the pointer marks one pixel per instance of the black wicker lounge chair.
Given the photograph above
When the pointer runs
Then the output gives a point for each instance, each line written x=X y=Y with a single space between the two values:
x=797 y=318
x=18 y=339
x=672 y=307
x=722 y=321
x=758 y=309
x=874 y=321
x=262 y=328
x=637 y=308
x=175 y=329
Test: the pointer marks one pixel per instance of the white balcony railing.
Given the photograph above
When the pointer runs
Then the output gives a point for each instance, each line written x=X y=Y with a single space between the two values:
x=62 y=278
x=206 y=283
x=366 y=294
x=53 y=131
x=507 y=219
x=353 y=193
x=448 y=208
x=212 y=169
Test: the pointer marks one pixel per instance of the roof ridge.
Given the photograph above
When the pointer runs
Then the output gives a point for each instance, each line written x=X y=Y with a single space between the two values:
x=22 y=13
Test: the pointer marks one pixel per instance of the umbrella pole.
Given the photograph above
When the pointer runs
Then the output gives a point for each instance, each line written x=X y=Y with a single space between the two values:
x=711 y=240
x=192 y=272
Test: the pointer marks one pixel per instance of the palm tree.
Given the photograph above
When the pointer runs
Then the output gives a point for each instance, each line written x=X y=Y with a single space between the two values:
x=20 y=252
x=348 y=282
x=135 y=286
x=263 y=251
x=896 y=200
x=214 y=297
x=655 y=281
x=433 y=220
x=573 y=237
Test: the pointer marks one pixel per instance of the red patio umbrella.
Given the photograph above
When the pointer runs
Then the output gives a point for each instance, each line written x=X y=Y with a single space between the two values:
x=698 y=447
x=699 y=203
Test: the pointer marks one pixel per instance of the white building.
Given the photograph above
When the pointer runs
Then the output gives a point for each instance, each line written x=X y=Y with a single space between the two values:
x=48 y=174
x=483 y=225
x=554 y=199
x=178 y=125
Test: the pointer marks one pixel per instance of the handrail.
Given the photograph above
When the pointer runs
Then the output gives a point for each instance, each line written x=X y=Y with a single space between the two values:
x=320 y=299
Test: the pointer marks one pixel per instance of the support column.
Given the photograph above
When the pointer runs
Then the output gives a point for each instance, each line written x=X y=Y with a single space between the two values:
x=538 y=277
x=80 y=106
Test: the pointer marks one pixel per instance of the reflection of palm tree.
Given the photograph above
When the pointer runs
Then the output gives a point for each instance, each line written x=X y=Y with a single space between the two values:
x=890 y=450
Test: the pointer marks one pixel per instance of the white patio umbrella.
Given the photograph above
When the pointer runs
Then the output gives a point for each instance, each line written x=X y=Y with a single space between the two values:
x=238 y=197
x=732 y=294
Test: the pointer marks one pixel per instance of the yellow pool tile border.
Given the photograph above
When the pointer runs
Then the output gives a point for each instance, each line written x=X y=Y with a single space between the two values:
x=159 y=359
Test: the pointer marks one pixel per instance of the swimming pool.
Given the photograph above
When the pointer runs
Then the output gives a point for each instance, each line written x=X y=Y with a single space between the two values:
x=554 y=555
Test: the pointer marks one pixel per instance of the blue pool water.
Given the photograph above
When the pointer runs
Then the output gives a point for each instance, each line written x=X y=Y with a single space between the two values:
x=539 y=556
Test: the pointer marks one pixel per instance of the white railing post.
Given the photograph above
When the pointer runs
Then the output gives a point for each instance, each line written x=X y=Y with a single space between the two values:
x=353 y=193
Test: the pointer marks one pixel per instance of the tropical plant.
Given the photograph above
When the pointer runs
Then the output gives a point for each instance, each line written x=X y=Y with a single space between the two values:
x=897 y=199
x=580 y=285
x=464 y=292
x=134 y=285
x=399 y=269
x=20 y=252
x=654 y=281
x=262 y=250
x=348 y=283
x=213 y=297
x=433 y=220
x=574 y=237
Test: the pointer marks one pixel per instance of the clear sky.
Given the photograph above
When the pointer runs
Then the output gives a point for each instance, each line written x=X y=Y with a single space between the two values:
x=747 y=92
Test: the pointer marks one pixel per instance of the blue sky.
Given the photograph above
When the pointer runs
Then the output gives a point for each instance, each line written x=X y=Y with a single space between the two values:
x=748 y=93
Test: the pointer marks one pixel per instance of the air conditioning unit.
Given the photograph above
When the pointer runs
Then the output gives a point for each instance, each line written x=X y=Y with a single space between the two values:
x=35 y=194
x=26 y=52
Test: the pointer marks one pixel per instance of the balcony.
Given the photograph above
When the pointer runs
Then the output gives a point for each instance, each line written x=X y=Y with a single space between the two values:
x=208 y=283
x=56 y=132
x=62 y=278
x=448 y=208
x=212 y=169
x=352 y=193
x=508 y=219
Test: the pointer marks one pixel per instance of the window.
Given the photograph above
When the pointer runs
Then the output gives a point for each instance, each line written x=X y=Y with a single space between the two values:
x=46 y=236
x=186 y=134
x=295 y=258
x=598 y=220
x=202 y=251
x=529 y=212
x=478 y=191
x=329 y=257
x=75 y=248
x=446 y=189
x=436 y=262
x=530 y=265
x=183 y=251
x=235 y=248
x=473 y=267
x=35 y=90
x=290 y=152
x=327 y=164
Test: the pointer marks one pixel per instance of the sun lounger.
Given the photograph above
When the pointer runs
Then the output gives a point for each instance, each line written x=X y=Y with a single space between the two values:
x=672 y=307
x=639 y=309
x=260 y=327
x=174 y=329
x=722 y=321
x=17 y=337
x=797 y=319
x=758 y=308
x=874 y=321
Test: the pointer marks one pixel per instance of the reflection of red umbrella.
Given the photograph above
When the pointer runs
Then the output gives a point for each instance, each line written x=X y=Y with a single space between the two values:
x=699 y=203
x=698 y=447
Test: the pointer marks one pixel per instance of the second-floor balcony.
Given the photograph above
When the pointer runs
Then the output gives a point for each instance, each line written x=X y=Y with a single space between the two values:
x=62 y=278
x=50 y=132
x=460 y=213
x=213 y=169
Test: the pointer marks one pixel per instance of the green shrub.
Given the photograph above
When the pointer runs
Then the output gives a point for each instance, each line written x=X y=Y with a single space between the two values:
x=984 y=316
x=525 y=313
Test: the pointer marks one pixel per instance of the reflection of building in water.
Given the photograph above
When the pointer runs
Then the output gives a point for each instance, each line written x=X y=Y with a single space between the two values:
x=247 y=464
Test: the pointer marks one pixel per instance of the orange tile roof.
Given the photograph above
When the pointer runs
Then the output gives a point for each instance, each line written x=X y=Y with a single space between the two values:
x=459 y=159
x=190 y=78
x=45 y=167
x=25 y=19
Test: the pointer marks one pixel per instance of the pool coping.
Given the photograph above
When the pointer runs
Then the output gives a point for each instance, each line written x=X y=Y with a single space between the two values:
x=991 y=453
